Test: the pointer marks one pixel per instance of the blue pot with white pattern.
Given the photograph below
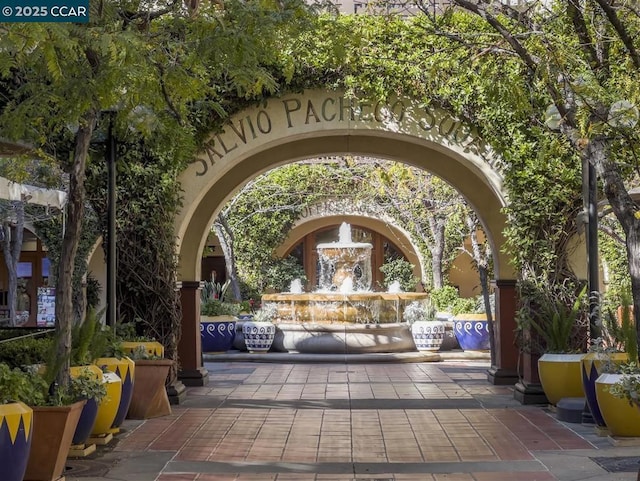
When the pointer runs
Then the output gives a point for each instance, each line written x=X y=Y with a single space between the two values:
x=217 y=333
x=472 y=332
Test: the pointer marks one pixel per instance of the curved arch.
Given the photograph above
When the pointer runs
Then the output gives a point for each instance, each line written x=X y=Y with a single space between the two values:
x=323 y=123
x=274 y=134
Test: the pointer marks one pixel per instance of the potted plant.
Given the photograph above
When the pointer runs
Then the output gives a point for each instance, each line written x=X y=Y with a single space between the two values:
x=427 y=332
x=56 y=411
x=470 y=324
x=218 y=323
x=16 y=420
x=555 y=319
x=615 y=346
x=468 y=316
x=88 y=380
x=110 y=358
x=618 y=396
x=260 y=331
x=55 y=422
x=149 y=398
x=90 y=339
x=616 y=387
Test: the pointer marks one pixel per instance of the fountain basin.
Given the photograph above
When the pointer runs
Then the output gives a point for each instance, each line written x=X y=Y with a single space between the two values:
x=334 y=307
x=343 y=338
x=330 y=323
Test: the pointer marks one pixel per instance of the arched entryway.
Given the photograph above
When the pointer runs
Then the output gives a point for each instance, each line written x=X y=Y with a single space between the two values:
x=324 y=123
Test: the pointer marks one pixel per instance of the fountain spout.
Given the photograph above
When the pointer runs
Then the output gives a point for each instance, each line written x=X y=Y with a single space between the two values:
x=342 y=261
x=344 y=233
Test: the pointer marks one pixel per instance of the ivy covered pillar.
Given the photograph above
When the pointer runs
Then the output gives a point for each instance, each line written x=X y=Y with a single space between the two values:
x=505 y=370
x=191 y=371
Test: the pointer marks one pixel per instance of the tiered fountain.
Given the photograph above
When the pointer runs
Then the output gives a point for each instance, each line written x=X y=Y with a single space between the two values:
x=343 y=315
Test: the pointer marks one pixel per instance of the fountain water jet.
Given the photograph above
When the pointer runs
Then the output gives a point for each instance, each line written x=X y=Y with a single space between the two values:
x=343 y=315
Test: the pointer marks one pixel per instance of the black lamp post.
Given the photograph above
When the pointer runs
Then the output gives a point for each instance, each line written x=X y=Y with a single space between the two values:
x=593 y=280
x=553 y=120
x=111 y=225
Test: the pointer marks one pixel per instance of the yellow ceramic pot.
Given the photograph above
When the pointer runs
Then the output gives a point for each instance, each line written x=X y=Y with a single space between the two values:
x=593 y=365
x=152 y=348
x=621 y=418
x=90 y=409
x=561 y=376
x=108 y=407
x=125 y=369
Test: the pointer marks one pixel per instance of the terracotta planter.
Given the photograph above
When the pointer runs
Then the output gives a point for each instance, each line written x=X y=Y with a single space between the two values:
x=125 y=369
x=53 y=428
x=108 y=407
x=561 y=376
x=149 y=399
x=621 y=418
x=592 y=366
x=16 y=426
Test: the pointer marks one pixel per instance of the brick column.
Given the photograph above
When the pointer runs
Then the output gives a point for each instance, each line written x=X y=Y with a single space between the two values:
x=191 y=371
x=529 y=390
x=505 y=370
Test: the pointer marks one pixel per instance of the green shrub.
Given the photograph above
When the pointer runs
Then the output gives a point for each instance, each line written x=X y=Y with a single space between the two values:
x=444 y=298
x=215 y=307
x=399 y=270
x=90 y=340
x=464 y=305
x=25 y=351
x=19 y=385
x=281 y=272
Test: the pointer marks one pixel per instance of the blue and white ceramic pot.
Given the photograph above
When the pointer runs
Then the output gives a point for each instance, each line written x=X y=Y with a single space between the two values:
x=258 y=336
x=217 y=333
x=472 y=332
x=428 y=335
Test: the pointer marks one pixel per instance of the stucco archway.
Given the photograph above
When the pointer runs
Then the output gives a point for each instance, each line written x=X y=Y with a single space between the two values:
x=324 y=123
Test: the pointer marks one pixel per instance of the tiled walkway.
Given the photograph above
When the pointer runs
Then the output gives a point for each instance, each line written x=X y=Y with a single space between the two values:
x=363 y=422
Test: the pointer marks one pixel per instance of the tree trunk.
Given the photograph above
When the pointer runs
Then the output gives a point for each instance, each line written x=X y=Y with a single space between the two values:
x=13 y=231
x=69 y=247
x=226 y=243
x=482 y=263
x=625 y=210
x=437 y=251
x=633 y=256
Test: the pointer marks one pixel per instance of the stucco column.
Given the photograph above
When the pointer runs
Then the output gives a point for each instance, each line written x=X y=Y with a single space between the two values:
x=192 y=372
x=505 y=370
